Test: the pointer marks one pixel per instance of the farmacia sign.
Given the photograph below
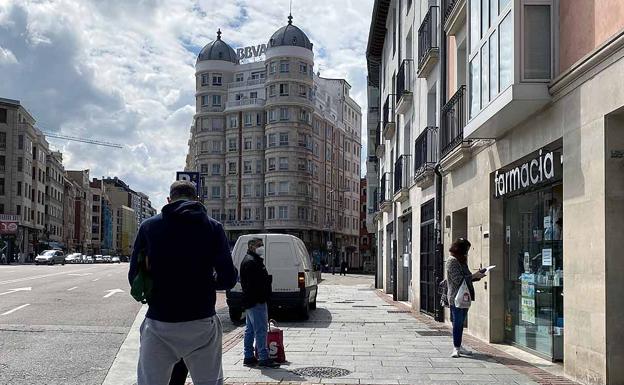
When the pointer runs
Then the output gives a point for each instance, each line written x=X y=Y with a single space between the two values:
x=533 y=172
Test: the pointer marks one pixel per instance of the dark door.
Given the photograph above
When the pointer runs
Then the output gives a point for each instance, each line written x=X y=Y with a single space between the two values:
x=406 y=267
x=427 y=258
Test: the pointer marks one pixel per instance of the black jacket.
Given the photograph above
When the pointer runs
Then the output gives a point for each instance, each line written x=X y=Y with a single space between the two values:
x=188 y=258
x=255 y=280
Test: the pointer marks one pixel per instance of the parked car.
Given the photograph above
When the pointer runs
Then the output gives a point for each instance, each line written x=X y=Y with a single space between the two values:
x=107 y=258
x=295 y=283
x=115 y=259
x=50 y=257
x=98 y=258
x=73 y=258
x=88 y=259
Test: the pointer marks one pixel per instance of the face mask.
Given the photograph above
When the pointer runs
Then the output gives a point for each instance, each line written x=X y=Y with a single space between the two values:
x=260 y=250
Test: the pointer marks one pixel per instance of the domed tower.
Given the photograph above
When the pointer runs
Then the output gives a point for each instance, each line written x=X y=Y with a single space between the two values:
x=289 y=149
x=214 y=69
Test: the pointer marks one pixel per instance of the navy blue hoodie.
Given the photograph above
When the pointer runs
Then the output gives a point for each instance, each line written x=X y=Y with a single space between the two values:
x=189 y=259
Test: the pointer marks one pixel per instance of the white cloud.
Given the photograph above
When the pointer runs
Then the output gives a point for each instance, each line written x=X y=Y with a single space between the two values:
x=123 y=71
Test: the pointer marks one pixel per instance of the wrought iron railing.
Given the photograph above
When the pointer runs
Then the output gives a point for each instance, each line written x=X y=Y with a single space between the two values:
x=427 y=35
x=453 y=122
x=401 y=173
x=450 y=6
x=388 y=110
x=404 y=80
x=425 y=150
x=385 y=188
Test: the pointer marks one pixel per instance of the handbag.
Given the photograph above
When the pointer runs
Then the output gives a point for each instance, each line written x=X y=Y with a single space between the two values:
x=463 y=299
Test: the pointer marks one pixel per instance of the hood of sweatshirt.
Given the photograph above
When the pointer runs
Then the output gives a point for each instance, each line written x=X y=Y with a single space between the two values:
x=184 y=210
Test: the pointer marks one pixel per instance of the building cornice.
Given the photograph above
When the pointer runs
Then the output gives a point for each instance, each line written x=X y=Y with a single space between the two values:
x=588 y=66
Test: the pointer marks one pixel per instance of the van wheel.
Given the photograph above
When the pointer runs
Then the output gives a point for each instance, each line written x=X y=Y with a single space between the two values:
x=235 y=314
x=313 y=304
x=305 y=311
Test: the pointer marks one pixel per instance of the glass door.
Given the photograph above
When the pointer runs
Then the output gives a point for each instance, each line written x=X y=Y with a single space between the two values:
x=534 y=271
x=427 y=259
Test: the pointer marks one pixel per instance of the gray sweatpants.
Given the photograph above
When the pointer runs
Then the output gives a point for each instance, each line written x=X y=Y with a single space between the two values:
x=164 y=343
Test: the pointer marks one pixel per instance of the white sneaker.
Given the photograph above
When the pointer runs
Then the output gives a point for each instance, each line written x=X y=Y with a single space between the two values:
x=455 y=353
x=465 y=352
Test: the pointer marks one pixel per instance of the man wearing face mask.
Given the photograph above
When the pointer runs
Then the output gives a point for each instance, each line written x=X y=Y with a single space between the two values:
x=256 y=284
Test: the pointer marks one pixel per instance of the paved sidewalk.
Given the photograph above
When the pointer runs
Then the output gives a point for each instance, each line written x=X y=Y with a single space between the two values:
x=354 y=329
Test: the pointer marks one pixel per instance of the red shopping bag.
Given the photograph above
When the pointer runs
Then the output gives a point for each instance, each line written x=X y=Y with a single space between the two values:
x=275 y=343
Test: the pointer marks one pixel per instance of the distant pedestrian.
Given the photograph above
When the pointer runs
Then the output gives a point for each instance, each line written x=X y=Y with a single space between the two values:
x=335 y=265
x=256 y=285
x=187 y=258
x=457 y=273
x=343 y=267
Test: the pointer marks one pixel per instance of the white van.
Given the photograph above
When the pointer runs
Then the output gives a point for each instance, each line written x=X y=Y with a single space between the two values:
x=294 y=284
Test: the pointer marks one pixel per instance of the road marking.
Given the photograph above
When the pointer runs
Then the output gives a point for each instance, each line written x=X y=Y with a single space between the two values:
x=41 y=276
x=16 y=309
x=95 y=280
x=80 y=275
x=72 y=288
x=112 y=292
x=16 y=290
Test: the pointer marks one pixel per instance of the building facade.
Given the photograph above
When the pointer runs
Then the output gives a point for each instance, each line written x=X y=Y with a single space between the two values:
x=54 y=199
x=126 y=224
x=83 y=209
x=367 y=250
x=277 y=146
x=70 y=191
x=520 y=120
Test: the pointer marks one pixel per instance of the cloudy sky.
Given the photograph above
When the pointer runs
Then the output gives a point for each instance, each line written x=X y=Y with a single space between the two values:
x=123 y=70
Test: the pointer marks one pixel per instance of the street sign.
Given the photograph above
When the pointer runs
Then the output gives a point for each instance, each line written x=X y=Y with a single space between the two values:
x=192 y=177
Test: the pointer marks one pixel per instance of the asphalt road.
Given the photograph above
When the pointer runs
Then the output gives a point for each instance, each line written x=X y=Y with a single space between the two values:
x=62 y=324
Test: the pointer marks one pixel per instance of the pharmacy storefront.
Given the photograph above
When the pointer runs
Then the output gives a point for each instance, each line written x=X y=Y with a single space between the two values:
x=532 y=194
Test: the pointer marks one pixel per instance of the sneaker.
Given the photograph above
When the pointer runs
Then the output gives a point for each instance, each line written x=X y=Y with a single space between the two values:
x=455 y=353
x=251 y=361
x=268 y=363
x=465 y=352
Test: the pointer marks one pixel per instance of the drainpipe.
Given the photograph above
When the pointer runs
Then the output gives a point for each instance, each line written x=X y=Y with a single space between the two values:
x=439 y=257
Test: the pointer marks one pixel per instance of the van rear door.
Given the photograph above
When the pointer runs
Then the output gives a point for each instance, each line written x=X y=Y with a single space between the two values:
x=281 y=264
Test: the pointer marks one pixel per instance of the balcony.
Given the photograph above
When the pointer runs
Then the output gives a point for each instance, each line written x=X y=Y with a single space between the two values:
x=452 y=131
x=389 y=125
x=454 y=16
x=428 y=49
x=248 y=83
x=425 y=157
x=402 y=178
x=404 y=86
x=209 y=108
x=255 y=102
x=385 y=203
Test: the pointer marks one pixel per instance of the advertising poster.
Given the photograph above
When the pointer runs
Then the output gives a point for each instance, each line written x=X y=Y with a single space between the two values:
x=528 y=310
x=528 y=290
x=546 y=257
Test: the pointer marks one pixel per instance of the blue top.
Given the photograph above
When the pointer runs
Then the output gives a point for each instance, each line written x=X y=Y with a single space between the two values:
x=188 y=259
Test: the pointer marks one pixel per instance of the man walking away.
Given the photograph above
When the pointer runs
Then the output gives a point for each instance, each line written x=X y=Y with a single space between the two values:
x=188 y=259
x=256 y=284
x=343 y=268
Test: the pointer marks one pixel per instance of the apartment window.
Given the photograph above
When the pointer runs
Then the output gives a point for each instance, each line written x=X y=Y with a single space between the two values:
x=303 y=68
x=205 y=79
x=231 y=214
x=215 y=214
x=283 y=212
x=394 y=31
x=271 y=188
x=233 y=122
x=537 y=42
x=232 y=168
x=19 y=189
x=271 y=164
x=258 y=213
x=258 y=119
x=258 y=75
x=248 y=121
x=216 y=146
x=258 y=190
x=217 y=124
x=247 y=167
x=272 y=140
x=272 y=67
x=284 y=88
x=20 y=164
x=216 y=191
x=283 y=113
x=271 y=212
x=247 y=142
x=253 y=95
x=304 y=115
x=303 y=91
x=272 y=90
x=216 y=79
x=205 y=100
x=239 y=78
x=246 y=213
x=247 y=190
x=259 y=140
x=283 y=163
x=284 y=66
x=203 y=168
x=283 y=137
x=1 y=186
x=216 y=100
x=284 y=188
x=2 y=140
x=232 y=144
x=231 y=191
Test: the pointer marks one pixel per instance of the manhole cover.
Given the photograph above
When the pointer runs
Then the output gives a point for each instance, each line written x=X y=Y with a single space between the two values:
x=433 y=333
x=321 y=372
